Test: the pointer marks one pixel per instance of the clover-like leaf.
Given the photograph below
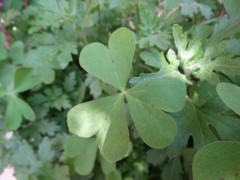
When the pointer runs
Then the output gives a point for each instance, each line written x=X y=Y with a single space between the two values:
x=16 y=110
x=106 y=117
x=218 y=160
x=114 y=64
x=228 y=93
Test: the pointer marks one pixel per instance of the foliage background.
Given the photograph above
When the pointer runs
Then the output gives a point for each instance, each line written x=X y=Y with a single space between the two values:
x=41 y=79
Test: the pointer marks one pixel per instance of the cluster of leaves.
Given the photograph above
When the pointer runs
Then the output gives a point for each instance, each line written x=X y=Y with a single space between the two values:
x=156 y=99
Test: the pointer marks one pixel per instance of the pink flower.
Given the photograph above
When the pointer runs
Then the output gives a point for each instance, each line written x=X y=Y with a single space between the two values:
x=1 y=4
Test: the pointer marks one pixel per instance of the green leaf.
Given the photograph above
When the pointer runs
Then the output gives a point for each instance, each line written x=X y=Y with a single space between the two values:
x=48 y=128
x=191 y=7
x=16 y=52
x=214 y=60
x=94 y=86
x=51 y=172
x=107 y=118
x=232 y=7
x=156 y=128
x=166 y=93
x=3 y=92
x=229 y=94
x=52 y=15
x=201 y=92
x=7 y=73
x=110 y=65
x=233 y=46
x=13 y=117
x=83 y=151
x=159 y=39
x=166 y=68
x=205 y=124
x=107 y=166
x=173 y=170
x=219 y=160
x=16 y=109
x=180 y=38
x=225 y=29
x=24 y=160
x=25 y=80
x=3 y=52
x=114 y=175
x=156 y=157
x=45 y=150
x=61 y=172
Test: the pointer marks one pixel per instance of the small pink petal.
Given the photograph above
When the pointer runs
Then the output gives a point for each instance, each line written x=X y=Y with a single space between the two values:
x=8 y=135
x=8 y=173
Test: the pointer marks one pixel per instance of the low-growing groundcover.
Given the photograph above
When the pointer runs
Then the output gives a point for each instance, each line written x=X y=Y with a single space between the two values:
x=120 y=89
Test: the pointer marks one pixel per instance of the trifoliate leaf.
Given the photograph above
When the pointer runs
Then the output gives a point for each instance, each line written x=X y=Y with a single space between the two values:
x=228 y=93
x=218 y=160
x=110 y=65
x=200 y=122
x=106 y=117
x=16 y=110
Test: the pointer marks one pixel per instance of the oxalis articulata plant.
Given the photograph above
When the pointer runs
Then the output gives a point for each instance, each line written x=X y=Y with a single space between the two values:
x=163 y=112
x=106 y=117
